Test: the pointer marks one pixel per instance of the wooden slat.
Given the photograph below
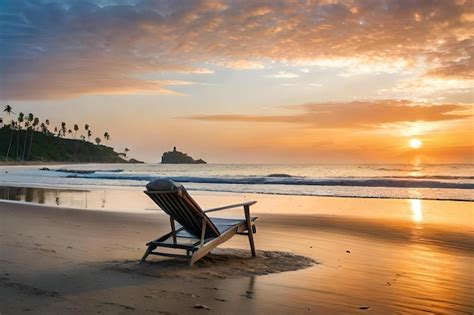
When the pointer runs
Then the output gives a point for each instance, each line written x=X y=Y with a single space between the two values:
x=188 y=213
x=170 y=208
x=203 y=231
x=173 y=230
x=187 y=220
x=175 y=213
x=159 y=202
x=168 y=245
x=191 y=211
x=203 y=251
x=169 y=255
x=243 y=204
x=190 y=200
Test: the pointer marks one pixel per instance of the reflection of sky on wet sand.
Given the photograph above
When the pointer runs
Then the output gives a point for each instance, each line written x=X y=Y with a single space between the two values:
x=417 y=210
x=402 y=276
x=74 y=198
x=411 y=211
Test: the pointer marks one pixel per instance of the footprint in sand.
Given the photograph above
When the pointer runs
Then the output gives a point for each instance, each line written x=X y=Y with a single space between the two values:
x=221 y=300
x=201 y=306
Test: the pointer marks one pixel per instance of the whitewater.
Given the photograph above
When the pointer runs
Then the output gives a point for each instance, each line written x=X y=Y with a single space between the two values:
x=398 y=181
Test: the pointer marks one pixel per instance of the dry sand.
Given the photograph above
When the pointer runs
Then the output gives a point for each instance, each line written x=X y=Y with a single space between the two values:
x=58 y=261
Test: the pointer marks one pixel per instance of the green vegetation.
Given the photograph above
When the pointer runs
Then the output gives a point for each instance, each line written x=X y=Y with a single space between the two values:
x=26 y=138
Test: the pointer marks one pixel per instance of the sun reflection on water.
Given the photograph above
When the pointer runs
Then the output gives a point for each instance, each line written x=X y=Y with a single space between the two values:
x=417 y=210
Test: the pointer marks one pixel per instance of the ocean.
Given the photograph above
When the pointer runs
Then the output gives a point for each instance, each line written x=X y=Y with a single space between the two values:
x=395 y=181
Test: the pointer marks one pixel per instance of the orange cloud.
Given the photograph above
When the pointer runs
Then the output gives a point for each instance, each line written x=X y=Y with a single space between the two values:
x=353 y=114
x=64 y=49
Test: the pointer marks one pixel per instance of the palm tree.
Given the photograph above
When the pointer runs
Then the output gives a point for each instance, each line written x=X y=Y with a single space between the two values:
x=106 y=137
x=9 y=110
x=21 y=118
x=63 y=128
x=46 y=122
x=36 y=122
x=69 y=132
x=89 y=133
x=27 y=127
x=76 y=128
x=97 y=140
x=12 y=129
x=28 y=124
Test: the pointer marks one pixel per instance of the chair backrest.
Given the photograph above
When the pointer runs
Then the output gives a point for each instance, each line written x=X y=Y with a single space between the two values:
x=175 y=201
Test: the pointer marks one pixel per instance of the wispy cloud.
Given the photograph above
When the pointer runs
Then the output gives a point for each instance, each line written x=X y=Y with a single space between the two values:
x=283 y=75
x=357 y=114
x=59 y=49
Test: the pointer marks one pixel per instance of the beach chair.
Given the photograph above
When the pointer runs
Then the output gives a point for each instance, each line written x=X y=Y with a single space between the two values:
x=195 y=232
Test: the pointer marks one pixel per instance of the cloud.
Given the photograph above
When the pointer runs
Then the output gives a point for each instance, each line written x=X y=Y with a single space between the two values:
x=59 y=49
x=357 y=114
x=240 y=64
x=283 y=75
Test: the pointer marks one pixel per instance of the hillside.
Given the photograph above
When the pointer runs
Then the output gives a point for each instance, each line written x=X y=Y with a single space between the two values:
x=49 y=148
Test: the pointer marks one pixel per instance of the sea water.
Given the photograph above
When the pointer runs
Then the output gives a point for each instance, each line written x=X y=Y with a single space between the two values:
x=400 y=181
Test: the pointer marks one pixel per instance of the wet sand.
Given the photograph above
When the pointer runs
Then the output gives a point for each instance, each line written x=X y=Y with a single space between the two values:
x=58 y=260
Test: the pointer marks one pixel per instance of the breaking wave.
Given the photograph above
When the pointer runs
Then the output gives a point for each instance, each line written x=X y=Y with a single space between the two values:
x=394 y=181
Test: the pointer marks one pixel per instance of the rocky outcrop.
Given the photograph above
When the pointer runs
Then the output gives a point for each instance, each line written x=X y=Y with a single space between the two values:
x=177 y=157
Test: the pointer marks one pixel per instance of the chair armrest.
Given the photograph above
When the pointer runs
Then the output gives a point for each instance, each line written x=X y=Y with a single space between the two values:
x=243 y=204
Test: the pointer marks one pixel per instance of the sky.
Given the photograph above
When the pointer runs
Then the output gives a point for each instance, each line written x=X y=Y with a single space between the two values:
x=249 y=81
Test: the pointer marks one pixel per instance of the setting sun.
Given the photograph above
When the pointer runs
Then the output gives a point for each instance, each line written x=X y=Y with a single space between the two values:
x=415 y=143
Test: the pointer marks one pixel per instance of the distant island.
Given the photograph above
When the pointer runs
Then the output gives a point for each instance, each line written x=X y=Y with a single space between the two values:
x=177 y=157
x=28 y=139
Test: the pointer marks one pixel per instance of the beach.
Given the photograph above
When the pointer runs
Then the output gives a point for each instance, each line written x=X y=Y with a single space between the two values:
x=394 y=257
x=340 y=133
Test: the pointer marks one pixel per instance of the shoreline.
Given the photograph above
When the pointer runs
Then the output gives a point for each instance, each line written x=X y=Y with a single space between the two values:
x=43 y=163
x=211 y=191
x=414 y=212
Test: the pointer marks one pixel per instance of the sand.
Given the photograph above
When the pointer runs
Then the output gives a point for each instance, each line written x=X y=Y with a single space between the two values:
x=222 y=263
x=57 y=260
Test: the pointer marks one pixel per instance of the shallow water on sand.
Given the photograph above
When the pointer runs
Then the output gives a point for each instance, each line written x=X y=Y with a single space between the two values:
x=400 y=275
x=413 y=211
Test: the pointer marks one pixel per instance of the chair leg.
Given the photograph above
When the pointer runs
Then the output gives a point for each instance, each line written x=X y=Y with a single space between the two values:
x=147 y=252
x=251 y=242
x=250 y=230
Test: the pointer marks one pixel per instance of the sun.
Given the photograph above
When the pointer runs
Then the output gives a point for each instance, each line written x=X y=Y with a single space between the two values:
x=415 y=143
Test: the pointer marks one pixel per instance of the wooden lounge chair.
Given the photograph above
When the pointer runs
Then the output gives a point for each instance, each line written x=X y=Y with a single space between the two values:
x=196 y=233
